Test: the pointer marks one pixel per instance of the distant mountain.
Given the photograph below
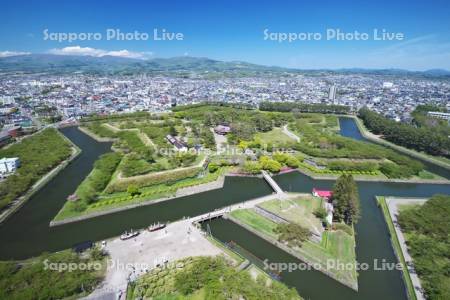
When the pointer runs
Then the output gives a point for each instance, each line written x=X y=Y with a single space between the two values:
x=63 y=63
x=176 y=65
x=437 y=72
x=108 y=64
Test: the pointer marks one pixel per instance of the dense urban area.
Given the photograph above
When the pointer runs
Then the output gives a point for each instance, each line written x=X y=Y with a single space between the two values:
x=50 y=96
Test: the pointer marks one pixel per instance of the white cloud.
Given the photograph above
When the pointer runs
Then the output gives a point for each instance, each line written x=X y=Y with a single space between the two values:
x=87 y=51
x=12 y=53
x=419 y=53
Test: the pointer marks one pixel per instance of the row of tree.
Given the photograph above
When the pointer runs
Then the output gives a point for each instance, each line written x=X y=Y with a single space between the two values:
x=424 y=139
x=304 y=107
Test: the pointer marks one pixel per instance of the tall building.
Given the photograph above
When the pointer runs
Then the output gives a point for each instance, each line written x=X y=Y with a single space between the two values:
x=332 y=93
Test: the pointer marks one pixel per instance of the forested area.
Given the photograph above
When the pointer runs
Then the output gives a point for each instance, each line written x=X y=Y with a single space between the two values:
x=36 y=278
x=427 y=229
x=208 y=278
x=421 y=138
x=97 y=180
x=244 y=123
x=38 y=154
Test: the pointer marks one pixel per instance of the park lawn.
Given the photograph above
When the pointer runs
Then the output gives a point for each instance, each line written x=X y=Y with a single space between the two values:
x=336 y=246
x=275 y=136
x=255 y=221
x=299 y=210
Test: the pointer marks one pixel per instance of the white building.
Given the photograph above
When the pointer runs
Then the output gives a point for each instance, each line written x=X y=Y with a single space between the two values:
x=439 y=115
x=332 y=93
x=8 y=166
x=388 y=85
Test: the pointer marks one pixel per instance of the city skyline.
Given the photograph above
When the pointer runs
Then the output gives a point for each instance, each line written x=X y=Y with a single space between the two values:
x=241 y=32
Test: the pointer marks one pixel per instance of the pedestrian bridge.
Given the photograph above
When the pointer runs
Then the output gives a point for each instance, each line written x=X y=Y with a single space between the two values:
x=272 y=183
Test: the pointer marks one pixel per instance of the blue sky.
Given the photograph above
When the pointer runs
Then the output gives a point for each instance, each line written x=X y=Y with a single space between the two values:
x=234 y=30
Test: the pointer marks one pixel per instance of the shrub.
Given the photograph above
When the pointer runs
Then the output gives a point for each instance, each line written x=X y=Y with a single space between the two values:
x=213 y=167
x=269 y=164
x=320 y=213
x=133 y=190
x=344 y=227
x=252 y=167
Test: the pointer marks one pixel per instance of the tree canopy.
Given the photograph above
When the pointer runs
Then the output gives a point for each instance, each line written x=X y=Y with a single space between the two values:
x=427 y=228
x=346 y=200
x=422 y=138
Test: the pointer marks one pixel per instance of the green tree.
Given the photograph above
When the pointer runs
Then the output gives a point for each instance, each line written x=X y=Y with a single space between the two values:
x=269 y=164
x=213 y=167
x=133 y=190
x=346 y=199
x=252 y=167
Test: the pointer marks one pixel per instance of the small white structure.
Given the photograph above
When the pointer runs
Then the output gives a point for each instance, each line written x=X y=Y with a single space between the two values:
x=8 y=166
x=329 y=208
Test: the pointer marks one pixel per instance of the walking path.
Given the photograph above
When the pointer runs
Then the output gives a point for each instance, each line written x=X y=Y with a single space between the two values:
x=273 y=184
x=290 y=134
x=221 y=141
x=392 y=204
x=244 y=205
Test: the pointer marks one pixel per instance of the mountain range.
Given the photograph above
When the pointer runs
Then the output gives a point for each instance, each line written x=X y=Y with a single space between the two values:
x=33 y=63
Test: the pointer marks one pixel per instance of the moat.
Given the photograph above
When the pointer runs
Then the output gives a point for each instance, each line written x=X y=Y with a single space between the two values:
x=27 y=233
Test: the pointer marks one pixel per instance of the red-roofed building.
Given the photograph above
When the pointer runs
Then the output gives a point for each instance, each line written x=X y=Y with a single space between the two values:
x=322 y=193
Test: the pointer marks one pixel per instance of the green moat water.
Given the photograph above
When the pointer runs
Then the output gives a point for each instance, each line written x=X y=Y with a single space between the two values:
x=27 y=233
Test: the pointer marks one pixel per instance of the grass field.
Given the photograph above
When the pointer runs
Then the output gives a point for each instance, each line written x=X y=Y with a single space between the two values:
x=255 y=221
x=275 y=136
x=336 y=246
x=299 y=210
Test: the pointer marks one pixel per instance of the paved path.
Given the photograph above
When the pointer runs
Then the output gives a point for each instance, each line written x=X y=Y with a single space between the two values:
x=273 y=184
x=290 y=134
x=392 y=204
x=228 y=209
